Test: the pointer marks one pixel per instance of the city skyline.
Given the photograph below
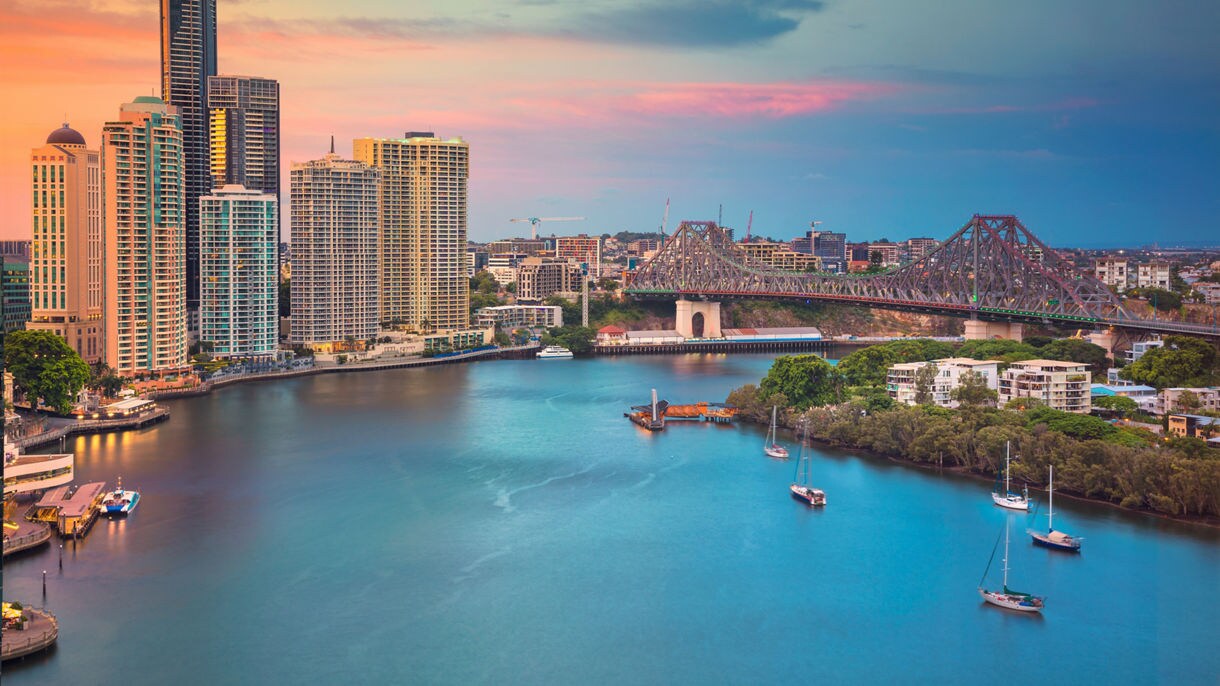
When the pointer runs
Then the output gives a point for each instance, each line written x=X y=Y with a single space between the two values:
x=880 y=122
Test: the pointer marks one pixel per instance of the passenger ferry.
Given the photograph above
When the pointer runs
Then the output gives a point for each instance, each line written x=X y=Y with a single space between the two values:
x=555 y=352
x=120 y=502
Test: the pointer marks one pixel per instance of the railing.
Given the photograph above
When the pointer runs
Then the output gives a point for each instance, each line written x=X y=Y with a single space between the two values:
x=19 y=543
x=30 y=640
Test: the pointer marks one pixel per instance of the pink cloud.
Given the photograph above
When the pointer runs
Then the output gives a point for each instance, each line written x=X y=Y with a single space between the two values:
x=736 y=100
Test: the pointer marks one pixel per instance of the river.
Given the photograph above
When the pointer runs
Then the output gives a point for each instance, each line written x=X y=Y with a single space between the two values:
x=501 y=522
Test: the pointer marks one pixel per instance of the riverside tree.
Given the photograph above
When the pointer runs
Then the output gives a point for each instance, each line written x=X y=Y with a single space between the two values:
x=44 y=366
x=1182 y=361
x=925 y=379
x=972 y=390
x=806 y=380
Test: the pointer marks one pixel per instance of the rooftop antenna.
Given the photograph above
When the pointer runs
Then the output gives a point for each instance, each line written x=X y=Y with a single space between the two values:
x=332 y=144
x=665 y=219
x=749 y=223
x=720 y=216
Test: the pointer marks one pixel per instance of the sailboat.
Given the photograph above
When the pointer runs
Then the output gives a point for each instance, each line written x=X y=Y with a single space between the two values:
x=1008 y=598
x=1010 y=500
x=800 y=488
x=1054 y=539
x=770 y=447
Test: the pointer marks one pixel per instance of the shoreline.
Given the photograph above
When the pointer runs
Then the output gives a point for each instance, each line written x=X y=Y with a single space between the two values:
x=1210 y=522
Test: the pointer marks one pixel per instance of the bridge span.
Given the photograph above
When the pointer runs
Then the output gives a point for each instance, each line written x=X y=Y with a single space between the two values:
x=993 y=269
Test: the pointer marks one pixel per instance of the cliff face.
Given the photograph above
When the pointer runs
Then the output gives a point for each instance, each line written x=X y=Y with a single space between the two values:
x=836 y=320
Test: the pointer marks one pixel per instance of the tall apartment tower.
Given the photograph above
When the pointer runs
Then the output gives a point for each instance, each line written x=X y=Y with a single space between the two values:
x=239 y=273
x=188 y=58
x=145 y=239
x=336 y=267
x=66 y=250
x=423 y=228
x=244 y=130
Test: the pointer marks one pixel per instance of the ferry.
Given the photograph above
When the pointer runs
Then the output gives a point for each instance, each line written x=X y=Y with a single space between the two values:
x=555 y=352
x=120 y=502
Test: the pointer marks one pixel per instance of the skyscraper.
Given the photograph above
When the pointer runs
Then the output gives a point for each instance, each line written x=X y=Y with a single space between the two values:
x=239 y=273
x=336 y=273
x=66 y=250
x=423 y=228
x=244 y=126
x=188 y=58
x=145 y=239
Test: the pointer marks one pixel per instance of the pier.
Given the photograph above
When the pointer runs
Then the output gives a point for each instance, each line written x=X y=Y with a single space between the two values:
x=24 y=534
x=73 y=509
x=654 y=415
x=89 y=426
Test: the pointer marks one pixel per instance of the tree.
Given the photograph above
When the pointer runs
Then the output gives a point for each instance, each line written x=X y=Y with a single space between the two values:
x=993 y=349
x=1078 y=350
x=44 y=366
x=1161 y=299
x=807 y=380
x=1119 y=405
x=1188 y=401
x=925 y=380
x=1182 y=361
x=607 y=284
x=972 y=390
x=578 y=339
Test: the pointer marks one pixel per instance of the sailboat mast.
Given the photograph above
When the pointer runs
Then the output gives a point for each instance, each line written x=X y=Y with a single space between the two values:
x=1005 y=555
x=1050 y=496
x=1007 y=468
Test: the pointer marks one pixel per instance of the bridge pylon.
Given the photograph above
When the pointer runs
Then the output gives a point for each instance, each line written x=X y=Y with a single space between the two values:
x=698 y=319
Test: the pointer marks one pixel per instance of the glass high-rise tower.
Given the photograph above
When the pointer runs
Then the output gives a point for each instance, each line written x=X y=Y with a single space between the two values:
x=188 y=58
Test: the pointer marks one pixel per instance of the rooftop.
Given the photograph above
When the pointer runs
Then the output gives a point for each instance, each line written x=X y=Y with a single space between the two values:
x=1050 y=364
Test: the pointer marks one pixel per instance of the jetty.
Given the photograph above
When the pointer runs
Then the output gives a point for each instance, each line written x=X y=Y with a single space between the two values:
x=73 y=509
x=654 y=415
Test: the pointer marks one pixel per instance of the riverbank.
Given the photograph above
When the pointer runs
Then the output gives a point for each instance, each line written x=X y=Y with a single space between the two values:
x=91 y=426
x=208 y=386
x=983 y=476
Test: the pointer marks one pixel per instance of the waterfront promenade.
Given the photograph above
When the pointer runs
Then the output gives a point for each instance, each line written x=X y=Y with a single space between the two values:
x=27 y=534
x=41 y=630
x=62 y=428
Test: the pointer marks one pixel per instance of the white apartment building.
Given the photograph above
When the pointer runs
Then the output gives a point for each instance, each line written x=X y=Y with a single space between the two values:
x=336 y=267
x=901 y=386
x=239 y=273
x=1112 y=271
x=1059 y=385
x=1169 y=400
x=1140 y=347
x=1153 y=274
x=508 y=317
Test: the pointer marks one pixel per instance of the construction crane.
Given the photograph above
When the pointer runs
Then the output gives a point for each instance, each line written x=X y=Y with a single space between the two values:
x=535 y=221
x=665 y=219
x=749 y=223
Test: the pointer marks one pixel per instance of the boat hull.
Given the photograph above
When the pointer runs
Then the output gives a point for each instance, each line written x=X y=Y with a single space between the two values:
x=775 y=451
x=1018 y=603
x=1069 y=544
x=1010 y=502
x=810 y=496
x=113 y=505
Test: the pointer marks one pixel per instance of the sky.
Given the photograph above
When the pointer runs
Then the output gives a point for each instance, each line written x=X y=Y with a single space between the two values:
x=1097 y=122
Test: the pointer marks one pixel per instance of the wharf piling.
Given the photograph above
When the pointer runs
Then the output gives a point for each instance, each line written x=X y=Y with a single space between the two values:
x=654 y=415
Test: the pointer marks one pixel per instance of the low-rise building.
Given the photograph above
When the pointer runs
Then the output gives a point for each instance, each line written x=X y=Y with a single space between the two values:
x=1059 y=385
x=1171 y=400
x=1154 y=274
x=611 y=335
x=445 y=341
x=1194 y=425
x=890 y=253
x=541 y=277
x=508 y=317
x=900 y=381
x=781 y=256
x=1112 y=271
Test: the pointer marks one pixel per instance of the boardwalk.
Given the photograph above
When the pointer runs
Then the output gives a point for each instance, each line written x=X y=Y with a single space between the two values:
x=41 y=630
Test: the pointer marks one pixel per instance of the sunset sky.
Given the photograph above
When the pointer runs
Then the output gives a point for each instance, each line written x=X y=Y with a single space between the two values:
x=1097 y=125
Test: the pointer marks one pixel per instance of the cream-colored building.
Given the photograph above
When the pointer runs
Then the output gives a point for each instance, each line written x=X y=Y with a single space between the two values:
x=901 y=386
x=336 y=292
x=1059 y=385
x=145 y=238
x=1154 y=274
x=1112 y=271
x=781 y=256
x=66 y=250
x=423 y=228
x=542 y=277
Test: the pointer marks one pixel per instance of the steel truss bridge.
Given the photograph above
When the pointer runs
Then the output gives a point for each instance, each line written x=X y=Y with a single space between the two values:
x=993 y=269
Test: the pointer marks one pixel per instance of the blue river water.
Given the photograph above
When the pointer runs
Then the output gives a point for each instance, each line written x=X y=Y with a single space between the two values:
x=502 y=522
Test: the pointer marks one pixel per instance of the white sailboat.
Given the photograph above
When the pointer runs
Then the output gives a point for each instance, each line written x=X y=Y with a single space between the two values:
x=800 y=488
x=1008 y=598
x=1053 y=539
x=770 y=447
x=1008 y=499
